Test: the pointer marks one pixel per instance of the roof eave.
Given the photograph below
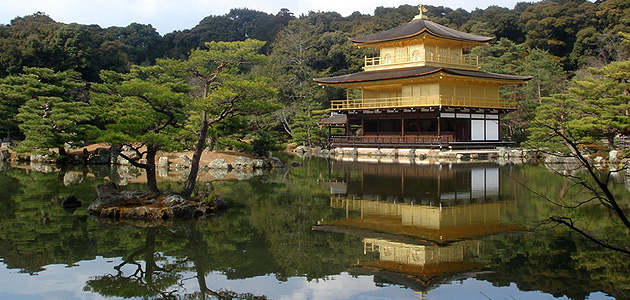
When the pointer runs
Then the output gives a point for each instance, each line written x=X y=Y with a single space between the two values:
x=418 y=33
x=340 y=82
x=437 y=71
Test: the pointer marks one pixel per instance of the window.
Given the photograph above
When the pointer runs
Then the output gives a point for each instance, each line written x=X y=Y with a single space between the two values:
x=448 y=125
x=412 y=126
x=370 y=126
x=456 y=58
x=391 y=126
x=415 y=56
x=428 y=125
x=387 y=59
x=382 y=126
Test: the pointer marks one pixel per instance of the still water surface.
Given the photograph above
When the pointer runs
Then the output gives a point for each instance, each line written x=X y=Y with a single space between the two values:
x=326 y=230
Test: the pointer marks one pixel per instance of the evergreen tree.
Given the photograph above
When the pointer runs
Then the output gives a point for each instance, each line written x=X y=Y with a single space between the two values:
x=144 y=111
x=225 y=89
x=594 y=109
x=55 y=109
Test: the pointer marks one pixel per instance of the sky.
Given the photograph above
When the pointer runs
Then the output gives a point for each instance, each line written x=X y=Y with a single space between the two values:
x=171 y=15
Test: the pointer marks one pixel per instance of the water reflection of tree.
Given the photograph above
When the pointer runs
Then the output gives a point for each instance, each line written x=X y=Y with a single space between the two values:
x=34 y=224
x=152 y=280
x=284 y=213
x=161 y=278
x=560 y=266
x=197 y=250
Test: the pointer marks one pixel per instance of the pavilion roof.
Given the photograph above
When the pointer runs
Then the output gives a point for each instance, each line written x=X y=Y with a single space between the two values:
x=417 y=27
x=335 y=119
x=411 y=72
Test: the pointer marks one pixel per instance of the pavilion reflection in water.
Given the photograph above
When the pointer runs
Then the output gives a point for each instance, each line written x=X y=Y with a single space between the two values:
x=424 y=223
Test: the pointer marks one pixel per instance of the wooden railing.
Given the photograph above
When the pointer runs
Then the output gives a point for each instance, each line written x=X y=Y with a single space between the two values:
x=426 y=101
x=446 y=60
x=447 y=139
x=391 y=140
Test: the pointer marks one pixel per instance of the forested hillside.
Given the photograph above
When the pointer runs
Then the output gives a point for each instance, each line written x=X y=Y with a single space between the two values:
x=555 y=41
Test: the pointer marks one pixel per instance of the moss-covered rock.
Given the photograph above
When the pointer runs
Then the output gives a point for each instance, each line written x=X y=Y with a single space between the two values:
x=114 y=203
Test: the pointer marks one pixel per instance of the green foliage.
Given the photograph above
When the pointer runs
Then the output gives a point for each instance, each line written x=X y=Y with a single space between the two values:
x=225 y=88
x=28 y=41
x=49 y=122
x=548 y=78
x=39 y=41
x=594 y=109
x=141 y=43
x=553 y=25
x=608 y=93
x=547 y=75
x=313 y=46
x=54 y=110
x=144 y=111
x=558 y=112
x=144 y=107
x=307 y=131
x=237 y=25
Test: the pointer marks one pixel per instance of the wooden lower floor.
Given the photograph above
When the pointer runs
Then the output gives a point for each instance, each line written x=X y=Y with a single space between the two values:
x=430 y=128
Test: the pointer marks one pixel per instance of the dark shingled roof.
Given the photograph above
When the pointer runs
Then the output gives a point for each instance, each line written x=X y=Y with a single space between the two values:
x=401 y=73
x=417 y=27
x=335 y=119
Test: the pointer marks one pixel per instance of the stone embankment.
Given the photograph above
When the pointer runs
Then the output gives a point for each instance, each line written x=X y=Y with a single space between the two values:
x=102 y=155
x=523 y=155
x=499 y=155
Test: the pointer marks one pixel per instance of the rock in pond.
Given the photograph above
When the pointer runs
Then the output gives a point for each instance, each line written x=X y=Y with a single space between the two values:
x=109 y=194
x=243 y=163
x=138 y=205
x=275 y=162
x=100 y=156
x=219 y=163
x=174 y=200
x=71 y=202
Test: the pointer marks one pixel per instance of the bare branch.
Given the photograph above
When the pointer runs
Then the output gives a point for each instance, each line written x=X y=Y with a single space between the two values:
x=601 y=185
x=569 y=223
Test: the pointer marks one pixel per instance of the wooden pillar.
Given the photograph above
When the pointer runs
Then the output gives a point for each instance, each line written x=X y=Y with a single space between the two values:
x=362 y=126
x=402 y=126
x=439 y=126
x=329 y=134
x=499 y=127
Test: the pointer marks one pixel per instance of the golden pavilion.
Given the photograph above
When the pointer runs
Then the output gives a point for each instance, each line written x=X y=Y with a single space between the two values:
x=422 y=91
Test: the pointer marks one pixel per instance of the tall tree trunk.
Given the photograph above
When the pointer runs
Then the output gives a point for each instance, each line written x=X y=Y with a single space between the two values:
x=149 y=256
x=150 y=169
x=194 y=167
x=196 y=247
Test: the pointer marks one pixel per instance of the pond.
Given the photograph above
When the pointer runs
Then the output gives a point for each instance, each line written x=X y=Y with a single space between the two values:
x=327 y=229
